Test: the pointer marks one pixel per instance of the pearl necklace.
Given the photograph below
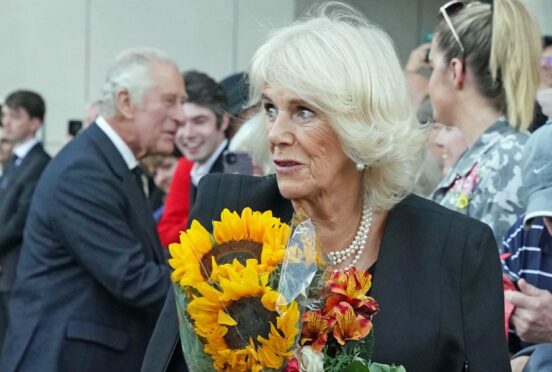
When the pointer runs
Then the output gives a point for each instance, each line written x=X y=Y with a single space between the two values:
x=357 y=246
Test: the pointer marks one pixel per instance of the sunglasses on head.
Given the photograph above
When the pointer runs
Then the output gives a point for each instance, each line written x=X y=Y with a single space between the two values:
x=447 y=10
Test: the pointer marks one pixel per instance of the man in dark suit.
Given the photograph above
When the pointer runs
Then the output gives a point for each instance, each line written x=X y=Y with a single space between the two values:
x=202 y=137
x=23 y=114
x=92 y=277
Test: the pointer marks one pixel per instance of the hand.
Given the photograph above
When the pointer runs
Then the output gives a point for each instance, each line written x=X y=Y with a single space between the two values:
x=417 y=58
x=532 y=317
x=519 y=363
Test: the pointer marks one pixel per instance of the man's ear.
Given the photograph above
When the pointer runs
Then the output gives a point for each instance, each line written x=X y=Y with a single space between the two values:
x=124 y=104
x=224 y=122
x=35 y=124
x=458 y=70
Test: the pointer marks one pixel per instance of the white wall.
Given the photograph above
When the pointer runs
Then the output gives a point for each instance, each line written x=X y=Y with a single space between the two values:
x=62 y=48
x=542 y=10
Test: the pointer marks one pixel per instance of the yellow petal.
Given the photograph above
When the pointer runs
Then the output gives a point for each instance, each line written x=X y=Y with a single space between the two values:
x=224 y=318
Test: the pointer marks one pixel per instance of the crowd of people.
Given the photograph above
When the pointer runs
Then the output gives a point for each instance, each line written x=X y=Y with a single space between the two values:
x=448 y=175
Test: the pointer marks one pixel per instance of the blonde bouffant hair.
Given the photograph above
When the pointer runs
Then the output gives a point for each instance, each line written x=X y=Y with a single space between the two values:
x=348 y=69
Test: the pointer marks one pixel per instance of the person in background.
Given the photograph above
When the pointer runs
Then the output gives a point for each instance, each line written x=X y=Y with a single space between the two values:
x=160 y=169
x=22 y=115
x=92 y=275
x=91 y=113
x=251 y=139
x=6 y=147
x=484 y=82
x=202 y=140
x=451 y=143
x=544 y=95
x=237 y=90
x=527 y=260
x=417 y=83
x=546 y=63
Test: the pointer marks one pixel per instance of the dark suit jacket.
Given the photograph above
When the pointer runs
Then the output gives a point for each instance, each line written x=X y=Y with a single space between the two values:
x=14 y=206
x=438 y=283
x=91 y=278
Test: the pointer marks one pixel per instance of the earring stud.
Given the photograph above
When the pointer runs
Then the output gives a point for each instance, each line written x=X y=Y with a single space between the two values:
x=360 y=167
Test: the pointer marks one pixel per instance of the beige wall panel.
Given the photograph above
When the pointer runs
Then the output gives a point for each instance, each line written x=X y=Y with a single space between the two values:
x=43 y=50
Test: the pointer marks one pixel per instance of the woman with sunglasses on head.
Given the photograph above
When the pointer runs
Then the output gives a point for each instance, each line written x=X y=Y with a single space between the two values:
x=484 y=81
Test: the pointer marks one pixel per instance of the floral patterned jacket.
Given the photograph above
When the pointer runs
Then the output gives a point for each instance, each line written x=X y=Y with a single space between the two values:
x=485 y=183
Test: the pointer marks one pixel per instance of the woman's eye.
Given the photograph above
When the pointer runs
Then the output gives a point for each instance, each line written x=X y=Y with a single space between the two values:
x=270 y=111
x=305 y=114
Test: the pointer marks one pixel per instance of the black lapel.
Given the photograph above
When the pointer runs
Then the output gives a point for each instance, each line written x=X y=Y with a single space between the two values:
x=140 y=205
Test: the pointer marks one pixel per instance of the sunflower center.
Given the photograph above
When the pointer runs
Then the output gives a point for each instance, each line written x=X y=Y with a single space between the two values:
x=225 y=253
x=253 y=320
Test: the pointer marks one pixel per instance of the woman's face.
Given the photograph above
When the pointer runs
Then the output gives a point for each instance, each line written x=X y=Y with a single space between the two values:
x=452 y=144
x=307 y=155
x=440 y=87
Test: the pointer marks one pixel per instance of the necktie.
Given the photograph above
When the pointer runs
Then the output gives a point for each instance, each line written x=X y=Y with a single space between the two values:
x=139 y=177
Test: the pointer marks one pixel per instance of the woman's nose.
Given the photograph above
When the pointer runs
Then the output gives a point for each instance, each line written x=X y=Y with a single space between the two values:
x=280 y=130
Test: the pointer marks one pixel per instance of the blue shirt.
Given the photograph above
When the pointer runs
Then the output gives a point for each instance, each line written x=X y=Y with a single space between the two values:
x=530 y=258
x=530 y=254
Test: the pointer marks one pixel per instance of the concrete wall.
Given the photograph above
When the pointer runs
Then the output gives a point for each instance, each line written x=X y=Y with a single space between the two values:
x=62 y=48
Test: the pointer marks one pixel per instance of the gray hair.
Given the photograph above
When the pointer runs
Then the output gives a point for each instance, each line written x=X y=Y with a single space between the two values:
x=252 y=137
x=348 y=69
x=131 y=71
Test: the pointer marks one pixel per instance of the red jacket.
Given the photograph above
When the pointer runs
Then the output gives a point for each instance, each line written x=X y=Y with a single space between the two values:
x=177 y=204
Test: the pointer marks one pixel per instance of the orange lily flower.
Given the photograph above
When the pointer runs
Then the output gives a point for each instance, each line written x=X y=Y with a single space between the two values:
x=349 y=326
x=351 y=286
x=315 y=329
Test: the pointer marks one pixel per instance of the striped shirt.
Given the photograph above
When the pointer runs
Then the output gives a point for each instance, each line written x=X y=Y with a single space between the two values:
x=529 y=256
x=530 y=252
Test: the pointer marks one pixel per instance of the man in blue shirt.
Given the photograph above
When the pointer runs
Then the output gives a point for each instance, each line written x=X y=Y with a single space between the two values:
x=528 y=260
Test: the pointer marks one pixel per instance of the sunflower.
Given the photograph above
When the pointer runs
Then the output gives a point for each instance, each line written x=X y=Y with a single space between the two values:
x=200 y=256
x=241 y=324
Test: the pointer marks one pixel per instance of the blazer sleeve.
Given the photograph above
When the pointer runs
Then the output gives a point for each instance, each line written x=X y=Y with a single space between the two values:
x=11 y=234
x=92 y=219
x=483 y=303
x=177 y=205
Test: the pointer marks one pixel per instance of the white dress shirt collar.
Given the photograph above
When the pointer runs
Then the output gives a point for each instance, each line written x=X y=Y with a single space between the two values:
x=121 y=145
x=200 y=170
x=23 y=149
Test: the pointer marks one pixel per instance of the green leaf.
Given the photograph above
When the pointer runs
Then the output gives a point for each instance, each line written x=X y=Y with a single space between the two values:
x=377 y=367
x=356 y=367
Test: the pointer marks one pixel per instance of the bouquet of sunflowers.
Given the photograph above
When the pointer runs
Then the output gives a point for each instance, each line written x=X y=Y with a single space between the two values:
x=241 y=290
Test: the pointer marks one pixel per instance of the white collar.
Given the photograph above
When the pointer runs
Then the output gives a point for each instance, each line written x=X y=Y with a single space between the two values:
x=118 y=142
x=23 y=149
x=200 y=170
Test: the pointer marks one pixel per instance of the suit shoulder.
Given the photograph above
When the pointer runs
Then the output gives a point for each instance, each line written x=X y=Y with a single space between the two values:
x=220 y=191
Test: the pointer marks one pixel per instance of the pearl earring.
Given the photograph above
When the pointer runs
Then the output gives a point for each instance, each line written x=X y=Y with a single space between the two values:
x=360 y=167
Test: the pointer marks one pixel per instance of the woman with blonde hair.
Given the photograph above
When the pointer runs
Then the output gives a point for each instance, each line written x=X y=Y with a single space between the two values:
x=347 y=150
x=484 y=81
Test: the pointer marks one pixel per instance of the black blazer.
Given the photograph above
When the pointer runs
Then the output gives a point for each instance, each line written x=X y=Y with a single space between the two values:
x=15 y=199
x=91 y=278
x=438 y=283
